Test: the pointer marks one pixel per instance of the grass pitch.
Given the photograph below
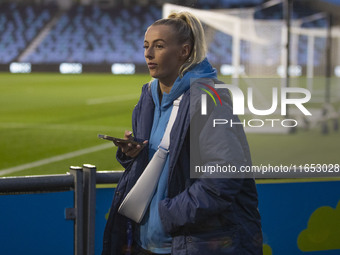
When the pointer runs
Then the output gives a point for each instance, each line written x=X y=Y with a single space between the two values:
x=45 y=115
x=49 y=122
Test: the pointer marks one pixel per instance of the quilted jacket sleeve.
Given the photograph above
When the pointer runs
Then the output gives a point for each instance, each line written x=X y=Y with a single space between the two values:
x=143 y=115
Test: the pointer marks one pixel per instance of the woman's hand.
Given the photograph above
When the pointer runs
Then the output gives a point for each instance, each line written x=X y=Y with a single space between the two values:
x=130 y=149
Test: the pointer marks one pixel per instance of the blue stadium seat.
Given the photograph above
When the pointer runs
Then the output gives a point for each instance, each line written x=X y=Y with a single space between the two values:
x=19 y=24
x=89 y=34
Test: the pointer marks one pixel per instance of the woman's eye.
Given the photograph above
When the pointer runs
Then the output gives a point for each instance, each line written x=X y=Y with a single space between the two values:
x=159 y=46
x=145 y=46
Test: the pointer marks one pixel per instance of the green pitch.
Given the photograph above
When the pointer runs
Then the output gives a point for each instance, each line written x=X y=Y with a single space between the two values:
x=47 y=115
x=49 y=122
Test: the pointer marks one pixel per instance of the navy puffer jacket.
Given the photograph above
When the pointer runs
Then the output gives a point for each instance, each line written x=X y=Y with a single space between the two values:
x=205 y=216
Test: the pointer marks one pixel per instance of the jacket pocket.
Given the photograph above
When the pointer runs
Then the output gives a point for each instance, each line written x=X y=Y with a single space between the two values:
x=226 y=241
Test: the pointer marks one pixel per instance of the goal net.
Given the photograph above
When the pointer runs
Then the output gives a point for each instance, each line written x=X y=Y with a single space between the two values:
x=252 y=53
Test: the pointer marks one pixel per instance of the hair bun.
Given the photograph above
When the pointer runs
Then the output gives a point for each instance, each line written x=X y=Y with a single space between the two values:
x=180 y=15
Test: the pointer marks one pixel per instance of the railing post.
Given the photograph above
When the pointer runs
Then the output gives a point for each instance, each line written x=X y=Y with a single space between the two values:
x=77 y=172
x=89 y=208
x=83 y=182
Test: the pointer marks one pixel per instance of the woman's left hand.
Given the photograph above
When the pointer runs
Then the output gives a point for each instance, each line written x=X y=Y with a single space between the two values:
x=130 y=149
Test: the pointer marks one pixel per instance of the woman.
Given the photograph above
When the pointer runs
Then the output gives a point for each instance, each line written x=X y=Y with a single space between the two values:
x=185 y=216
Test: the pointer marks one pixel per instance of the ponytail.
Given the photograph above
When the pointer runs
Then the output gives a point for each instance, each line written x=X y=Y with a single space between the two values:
x=189 y=30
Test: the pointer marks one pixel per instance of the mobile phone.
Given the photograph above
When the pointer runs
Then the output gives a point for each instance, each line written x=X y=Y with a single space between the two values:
x=119 y=140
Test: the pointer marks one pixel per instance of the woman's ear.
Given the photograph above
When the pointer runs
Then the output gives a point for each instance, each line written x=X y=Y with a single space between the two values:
x=185 y=51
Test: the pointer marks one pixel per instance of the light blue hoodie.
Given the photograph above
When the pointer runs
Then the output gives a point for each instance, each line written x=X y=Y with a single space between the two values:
x=152 y=236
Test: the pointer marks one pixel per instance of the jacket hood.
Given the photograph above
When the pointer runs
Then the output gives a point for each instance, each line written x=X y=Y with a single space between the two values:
x=201 y=70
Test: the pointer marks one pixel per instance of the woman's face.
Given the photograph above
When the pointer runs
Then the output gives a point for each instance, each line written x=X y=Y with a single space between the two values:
x=163 y=54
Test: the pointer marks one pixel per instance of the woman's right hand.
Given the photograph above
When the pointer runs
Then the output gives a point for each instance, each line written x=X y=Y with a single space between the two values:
x=130 y=149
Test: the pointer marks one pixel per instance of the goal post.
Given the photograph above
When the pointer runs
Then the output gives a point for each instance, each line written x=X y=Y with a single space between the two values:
x=258 y=45
x=229 y=23
x=255 y=48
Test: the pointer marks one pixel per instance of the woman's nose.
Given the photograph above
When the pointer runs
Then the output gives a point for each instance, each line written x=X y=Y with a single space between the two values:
x=149 y=53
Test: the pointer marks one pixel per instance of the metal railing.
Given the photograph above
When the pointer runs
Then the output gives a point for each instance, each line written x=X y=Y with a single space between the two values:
x=83 y=181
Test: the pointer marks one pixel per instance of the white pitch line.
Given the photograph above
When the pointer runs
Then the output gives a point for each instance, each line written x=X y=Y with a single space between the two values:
x=112 y=99
x=55 y=158
x=14 y=125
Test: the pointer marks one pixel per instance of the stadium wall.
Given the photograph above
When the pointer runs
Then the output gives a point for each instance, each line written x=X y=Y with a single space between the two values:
x=297 y=218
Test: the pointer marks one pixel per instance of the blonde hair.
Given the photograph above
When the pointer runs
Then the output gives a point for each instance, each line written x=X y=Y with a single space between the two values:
x=189 y=30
